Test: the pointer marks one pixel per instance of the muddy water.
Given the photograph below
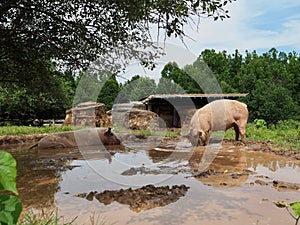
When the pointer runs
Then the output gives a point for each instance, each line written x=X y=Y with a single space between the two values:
x=159 y=186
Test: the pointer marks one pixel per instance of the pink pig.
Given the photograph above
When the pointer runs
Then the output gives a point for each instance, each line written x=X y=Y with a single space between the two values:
x=218 y=115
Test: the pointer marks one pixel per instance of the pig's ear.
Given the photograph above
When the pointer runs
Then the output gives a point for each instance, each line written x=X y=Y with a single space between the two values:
x=108 y=132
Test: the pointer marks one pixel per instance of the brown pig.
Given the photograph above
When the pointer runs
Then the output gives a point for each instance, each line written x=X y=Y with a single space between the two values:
x=218 y=115
x=85 y=137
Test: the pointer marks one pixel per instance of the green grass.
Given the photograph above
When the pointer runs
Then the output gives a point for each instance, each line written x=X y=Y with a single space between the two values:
x=284 y=134
x=147 y=133
x=44 y=217
x=51 y=217
x=22 y=130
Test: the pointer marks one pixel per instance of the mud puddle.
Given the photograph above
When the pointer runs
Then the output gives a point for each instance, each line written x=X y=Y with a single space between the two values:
x=227 y=185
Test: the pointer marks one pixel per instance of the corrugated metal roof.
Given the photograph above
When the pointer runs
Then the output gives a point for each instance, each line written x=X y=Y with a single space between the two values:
x=172 y=96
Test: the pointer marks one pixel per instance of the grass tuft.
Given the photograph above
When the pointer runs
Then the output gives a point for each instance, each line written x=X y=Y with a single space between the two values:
x=44 y=217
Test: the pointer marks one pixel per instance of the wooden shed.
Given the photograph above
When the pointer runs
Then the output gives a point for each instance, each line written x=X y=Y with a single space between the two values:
x=177 y=109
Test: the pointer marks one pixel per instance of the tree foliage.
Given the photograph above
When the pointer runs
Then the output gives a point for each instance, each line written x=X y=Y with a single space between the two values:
x=43 y=99
x=172 y=72
x=136 y=89
x=96 y=86
x=78 y=32
x=168 y=86
x=109 y=92
x=270 y=79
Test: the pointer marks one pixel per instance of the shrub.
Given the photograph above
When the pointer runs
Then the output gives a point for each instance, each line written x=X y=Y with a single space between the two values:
x=10 y=206
x=288 y=124
x=260 y=123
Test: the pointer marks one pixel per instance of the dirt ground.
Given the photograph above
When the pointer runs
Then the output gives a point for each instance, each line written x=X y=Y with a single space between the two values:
x=20 y=139
x=267 y=146
x=23 y=141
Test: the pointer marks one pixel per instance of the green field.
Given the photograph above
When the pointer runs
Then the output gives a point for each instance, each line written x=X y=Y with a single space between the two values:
x=285 y=134
x=23 y=130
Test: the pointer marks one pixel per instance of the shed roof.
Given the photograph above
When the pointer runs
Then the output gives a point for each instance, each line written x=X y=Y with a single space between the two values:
x=193 y=96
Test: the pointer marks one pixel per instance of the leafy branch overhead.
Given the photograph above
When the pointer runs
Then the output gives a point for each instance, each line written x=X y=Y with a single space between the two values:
x=78 y=32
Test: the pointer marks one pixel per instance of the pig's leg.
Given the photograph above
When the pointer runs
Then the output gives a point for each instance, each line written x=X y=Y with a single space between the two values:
x=242 y=130
x=237 y=131
x=207 y=136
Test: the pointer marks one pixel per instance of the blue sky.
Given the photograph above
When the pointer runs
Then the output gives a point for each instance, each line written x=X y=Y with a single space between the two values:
x=254 y=25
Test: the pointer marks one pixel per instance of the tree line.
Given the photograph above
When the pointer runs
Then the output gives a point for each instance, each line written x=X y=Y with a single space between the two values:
x=271 y=80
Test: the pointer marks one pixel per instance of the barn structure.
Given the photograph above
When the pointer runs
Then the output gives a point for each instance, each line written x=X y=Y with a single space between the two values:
x=177 y=109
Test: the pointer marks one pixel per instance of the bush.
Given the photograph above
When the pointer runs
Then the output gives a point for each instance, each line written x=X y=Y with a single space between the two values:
x=288 y=124
x=10 y=206
x=260 y=123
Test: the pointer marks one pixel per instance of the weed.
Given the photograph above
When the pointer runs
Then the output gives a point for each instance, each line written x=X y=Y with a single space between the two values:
x=44 y=217
x=295 y=206
x=260 y=123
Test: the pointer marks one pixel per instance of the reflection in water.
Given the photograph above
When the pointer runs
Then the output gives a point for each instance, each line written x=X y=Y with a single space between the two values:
x=145 y=198
x=45 y=178
x=37 y=179
x=270 y=161
x=228 y=169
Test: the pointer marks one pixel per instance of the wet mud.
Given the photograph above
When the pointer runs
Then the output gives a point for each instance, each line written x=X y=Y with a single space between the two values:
x=265 y=146
x=240 y=180
x=19 y=141
x=145 y=198
x=278 y=185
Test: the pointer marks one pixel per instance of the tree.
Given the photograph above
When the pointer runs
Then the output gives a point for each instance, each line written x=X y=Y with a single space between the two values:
x=76 y=33
x=182 y=79
x=270 y=86
x=271 y=102
x=43 y=99
x=224 y=67
x=168 y=86
x=204 y=81
x=96 y=86
x=124 y=95
x=109 y=92
x=38 y=38
x=217 y=62
x=270 y=79
x=293 y=68
x=141 y=88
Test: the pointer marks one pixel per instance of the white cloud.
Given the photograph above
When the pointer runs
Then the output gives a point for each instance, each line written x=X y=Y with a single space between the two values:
x=253 y=25
x=173 y=53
